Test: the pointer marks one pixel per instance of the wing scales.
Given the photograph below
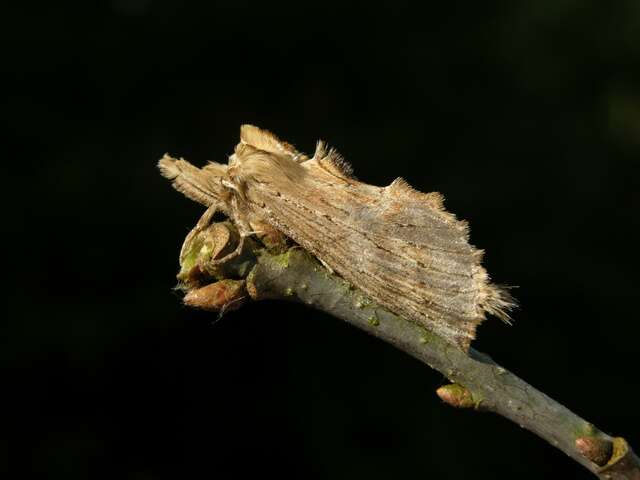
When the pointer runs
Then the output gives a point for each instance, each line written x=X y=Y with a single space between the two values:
x=443 y=287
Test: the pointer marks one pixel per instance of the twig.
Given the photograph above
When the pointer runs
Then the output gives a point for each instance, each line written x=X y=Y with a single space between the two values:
x=478 y=382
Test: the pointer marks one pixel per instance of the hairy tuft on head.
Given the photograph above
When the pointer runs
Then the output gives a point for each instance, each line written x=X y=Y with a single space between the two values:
x=266 y=141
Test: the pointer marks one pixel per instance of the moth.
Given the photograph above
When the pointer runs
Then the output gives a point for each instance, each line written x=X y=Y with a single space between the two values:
x=396 y=244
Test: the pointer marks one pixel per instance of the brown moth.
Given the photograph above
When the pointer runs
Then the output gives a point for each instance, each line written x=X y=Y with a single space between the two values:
x=396 y=244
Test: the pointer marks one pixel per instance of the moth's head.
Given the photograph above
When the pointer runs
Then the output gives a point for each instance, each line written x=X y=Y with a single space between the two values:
x=260 y=156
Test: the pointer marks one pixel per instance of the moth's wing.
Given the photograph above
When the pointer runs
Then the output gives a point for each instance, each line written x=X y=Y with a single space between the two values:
x=396 y=244
x=439 y=244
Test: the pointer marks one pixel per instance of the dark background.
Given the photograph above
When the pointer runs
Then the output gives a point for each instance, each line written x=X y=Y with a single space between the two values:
x=526 y=115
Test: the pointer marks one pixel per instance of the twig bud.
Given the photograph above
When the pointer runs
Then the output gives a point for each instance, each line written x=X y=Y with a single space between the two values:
x=225 y=294
x=202 y=245
x=456 y=395
x=596 y=449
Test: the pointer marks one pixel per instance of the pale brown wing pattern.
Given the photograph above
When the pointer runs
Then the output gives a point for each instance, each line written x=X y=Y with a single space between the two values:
x=396 y=244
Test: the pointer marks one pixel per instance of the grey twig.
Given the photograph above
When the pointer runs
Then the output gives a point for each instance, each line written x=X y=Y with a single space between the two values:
x=478 y=382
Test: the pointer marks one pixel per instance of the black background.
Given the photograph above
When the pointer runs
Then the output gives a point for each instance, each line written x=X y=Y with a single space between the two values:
x=526 y=115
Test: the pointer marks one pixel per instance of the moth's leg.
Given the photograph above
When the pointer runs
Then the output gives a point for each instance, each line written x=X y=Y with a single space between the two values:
x=232 y=255
x=206 y=217
x=326 y=266
x=203 y=223
x=244 y=229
